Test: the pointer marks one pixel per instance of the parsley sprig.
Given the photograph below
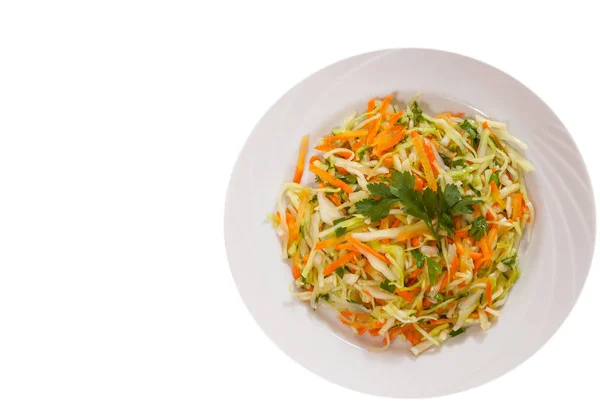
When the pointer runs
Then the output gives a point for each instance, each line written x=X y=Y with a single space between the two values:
x=428 y=205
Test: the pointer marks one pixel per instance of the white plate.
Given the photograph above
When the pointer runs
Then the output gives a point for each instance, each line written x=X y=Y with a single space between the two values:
x=554 y=265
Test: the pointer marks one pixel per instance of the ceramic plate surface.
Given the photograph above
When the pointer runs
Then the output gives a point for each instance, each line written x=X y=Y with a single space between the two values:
x=554 y=264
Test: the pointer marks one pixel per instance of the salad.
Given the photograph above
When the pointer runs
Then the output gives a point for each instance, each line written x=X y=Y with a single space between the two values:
x=412 y=226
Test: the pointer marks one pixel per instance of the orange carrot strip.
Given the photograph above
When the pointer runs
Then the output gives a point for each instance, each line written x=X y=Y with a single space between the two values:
x=488 y=292
x=419 y=183
x=459 y=247
x=476 y=256
x=363 y=248
x=496 y=194
x=453 y=266
x=418 y=142
x=461 y=233
x=440 y=321
x=485 y=249
x=406 y=295
x=296 y=271
x=301 y=158
x=388 y=139
x=313 y=159
x=396 y=223
x=517 y=206
x=431 y=157
x=325 y=147
x=492 y=236
x=328 y=243
x=339 y=263
x=347 y=135
x=335 y=199
x=414 y=241
x=478 y=264
x=375 y=127
x=325 y=176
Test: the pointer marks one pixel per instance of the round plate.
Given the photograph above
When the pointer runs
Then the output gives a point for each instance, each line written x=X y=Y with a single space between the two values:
x=554 y=264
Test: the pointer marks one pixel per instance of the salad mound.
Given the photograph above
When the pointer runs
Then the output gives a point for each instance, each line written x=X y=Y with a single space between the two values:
x=412 y=226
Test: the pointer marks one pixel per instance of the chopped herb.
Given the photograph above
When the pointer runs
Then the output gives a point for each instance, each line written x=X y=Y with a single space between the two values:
x=447 y=160
x=313 y=199
x=419 y=258
x=348 y=178
x=340 y=231
x=324 y=296
x=434 y=269
x=473 y=135
x=495 y=177
x=439 y=297
x=510 y=261
x=340 y=272
x=476 y=191
x=479 y=228
x=339 y=220
x=457 y=332
x=387 y=286
x=459 y=163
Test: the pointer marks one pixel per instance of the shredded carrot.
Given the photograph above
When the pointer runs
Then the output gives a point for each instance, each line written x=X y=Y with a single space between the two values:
x=313 y=159
x=418 y=142
x=301 y=208
x=476 y=256
x=301 y=158
x=488 y=292
x=496 y=194
x=388 y=139
x=325 y=176
x=419 y=183
x=485 y=249
x=347 y=135
x=440 y=321
x=485 y=125
x=461 y=233
x=363 y=248
x=375 y=127
x=489 y=216
x=415 y=273
x=406 y=295
x=335 y=199
x=453 y=266
x=324 y=147
x=459 y=247
x=414 y=241
x=517 y=206
x=296 y=271
x=492 y=236
x=329 y=243
x=396 y=223
x=431 y=157
x=339 y=263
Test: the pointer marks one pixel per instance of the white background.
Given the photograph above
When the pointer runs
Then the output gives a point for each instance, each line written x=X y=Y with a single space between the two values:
x=120 y=122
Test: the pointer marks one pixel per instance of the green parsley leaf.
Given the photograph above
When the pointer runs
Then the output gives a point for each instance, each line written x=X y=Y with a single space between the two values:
x=340 y=272
x=419 y=258
x=340 y=231
x=339 y=220
x=474 y=136
x=439 y=297
x=510 y=261
x=459 y=163
x=313 y=199
x=380 y=189
x=434 y=269
x=375 y=209
x=447 y=223
x=451 y=195
x=348 y=178
x=457 y=332
x=475 y=190
x=495 y=177
x=387 y=286
x=464 y=206
x=479 y=228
